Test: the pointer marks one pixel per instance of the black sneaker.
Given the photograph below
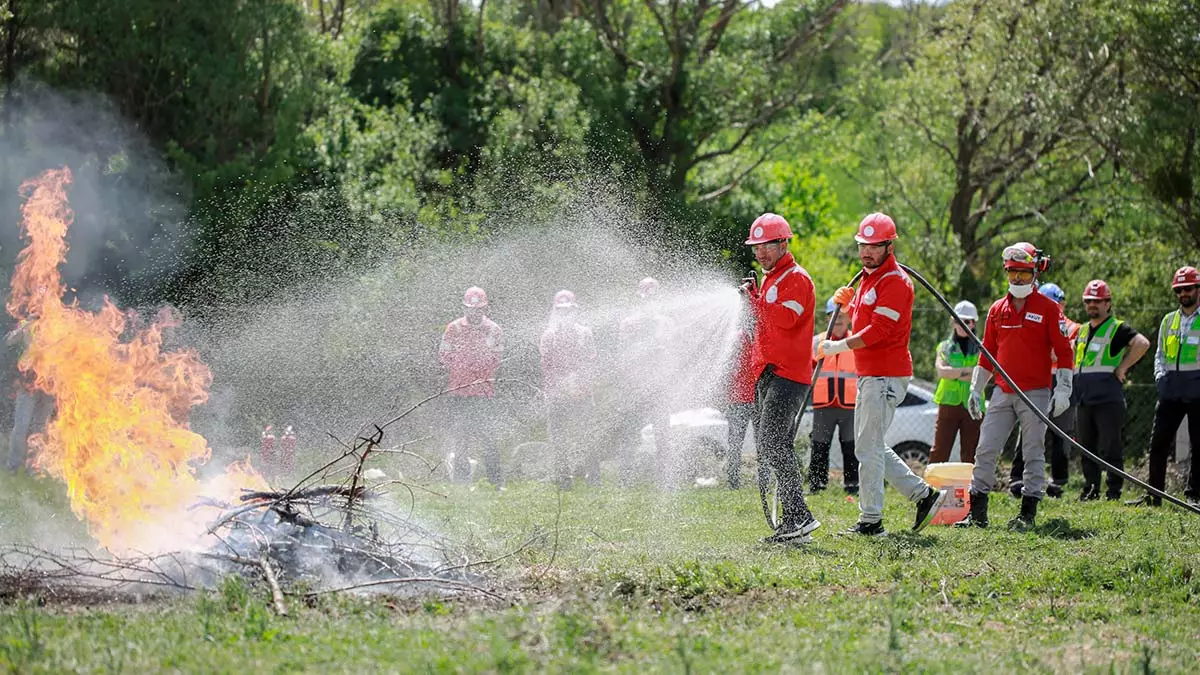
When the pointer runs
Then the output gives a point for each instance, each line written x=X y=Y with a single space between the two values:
x=867 y=529
x=1145 y=500
x=1090 y=493
x=1054 y=490
x=793 y=534
x=927 y=508
x=851 y=489
x=814 y=489
x=1014 y=488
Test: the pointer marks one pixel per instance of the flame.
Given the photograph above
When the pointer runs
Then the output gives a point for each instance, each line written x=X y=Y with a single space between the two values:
x=119 y=437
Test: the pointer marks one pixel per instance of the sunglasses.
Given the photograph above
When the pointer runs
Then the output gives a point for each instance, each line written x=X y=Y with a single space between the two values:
x=1093 y=301
x=1020 y=275
x=1185 y=289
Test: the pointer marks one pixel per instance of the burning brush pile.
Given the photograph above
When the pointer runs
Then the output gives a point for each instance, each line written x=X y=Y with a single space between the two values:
x=120 y=442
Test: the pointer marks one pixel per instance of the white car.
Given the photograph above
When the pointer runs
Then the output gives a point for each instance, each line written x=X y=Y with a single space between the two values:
x=910 y=435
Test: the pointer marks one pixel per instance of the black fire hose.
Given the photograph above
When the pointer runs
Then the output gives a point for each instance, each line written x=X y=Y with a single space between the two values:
x=1036 y=410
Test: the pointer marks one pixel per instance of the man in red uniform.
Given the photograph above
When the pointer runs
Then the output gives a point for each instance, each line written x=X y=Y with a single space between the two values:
x=881 y=318
x=781 y=362
x=568 y=353
x=1056 y=447
x=1023 y=331
x=470 y=351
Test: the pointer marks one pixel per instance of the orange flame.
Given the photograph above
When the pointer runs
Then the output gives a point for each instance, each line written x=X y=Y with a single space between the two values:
x=119 y=436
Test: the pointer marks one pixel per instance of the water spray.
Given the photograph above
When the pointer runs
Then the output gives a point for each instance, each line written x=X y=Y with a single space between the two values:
x=1041 y=414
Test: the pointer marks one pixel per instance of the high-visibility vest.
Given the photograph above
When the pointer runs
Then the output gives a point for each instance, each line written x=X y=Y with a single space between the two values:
x=1180 y=348
x=953 y=391
x=1093 y=353
x=836 y=386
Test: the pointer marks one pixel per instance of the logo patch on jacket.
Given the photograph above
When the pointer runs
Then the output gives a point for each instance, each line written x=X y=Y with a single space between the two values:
x=869 y=297
x=772 y=294
x=1036 y=318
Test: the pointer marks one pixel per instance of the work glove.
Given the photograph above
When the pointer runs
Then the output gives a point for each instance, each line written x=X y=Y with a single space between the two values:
x=843 y=296
x=979 y=380
x=831 y=347
x=1060 y=400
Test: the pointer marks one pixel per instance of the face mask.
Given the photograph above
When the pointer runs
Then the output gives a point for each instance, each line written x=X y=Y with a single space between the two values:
x=1020 y=291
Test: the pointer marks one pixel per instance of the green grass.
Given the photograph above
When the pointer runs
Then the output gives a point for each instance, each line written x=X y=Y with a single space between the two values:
x=649 y=581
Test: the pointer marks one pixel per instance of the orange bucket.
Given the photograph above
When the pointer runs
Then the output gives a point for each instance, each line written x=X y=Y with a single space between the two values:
x=955 y=478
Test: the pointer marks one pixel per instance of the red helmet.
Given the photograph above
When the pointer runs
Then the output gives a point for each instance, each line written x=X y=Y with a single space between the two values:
x=769 y=227
x=647 y=287
x=475 y=297
x=876 y=228
x=564 y=300
x=1185 y=276
x=1097 y=289
x=1020 y=256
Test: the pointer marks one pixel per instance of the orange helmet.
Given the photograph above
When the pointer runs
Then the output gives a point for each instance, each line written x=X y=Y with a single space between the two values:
x=1185 y=276
x=876 y=228
x=564 y=300
x=769 y=227
x=1097 y=289
x=647 y=287
x=475 y=297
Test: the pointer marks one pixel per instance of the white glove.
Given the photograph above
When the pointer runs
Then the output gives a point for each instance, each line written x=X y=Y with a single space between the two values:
x=979 y=380
x=831 y=347
x=1060 y=400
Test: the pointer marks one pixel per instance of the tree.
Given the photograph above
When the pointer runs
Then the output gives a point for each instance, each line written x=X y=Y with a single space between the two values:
x=1163 y=73
x=995 y=125
x=687 y=82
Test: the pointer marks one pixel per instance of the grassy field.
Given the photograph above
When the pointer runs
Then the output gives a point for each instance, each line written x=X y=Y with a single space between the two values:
x=639 y=580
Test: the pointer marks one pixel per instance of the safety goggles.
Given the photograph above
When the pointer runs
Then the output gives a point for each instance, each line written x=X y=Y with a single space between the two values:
x=1185 y=289
x=1018 y=255
x=1093 y=301
x=1020 y=275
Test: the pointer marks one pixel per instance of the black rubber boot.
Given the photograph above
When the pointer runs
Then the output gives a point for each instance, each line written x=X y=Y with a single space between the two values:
x=978 y=516
x=1025 y=520
x=818 y=467
x=849 y=468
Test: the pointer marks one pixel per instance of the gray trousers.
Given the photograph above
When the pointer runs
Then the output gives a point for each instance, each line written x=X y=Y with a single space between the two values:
x=1003 y=411
x=873 y=413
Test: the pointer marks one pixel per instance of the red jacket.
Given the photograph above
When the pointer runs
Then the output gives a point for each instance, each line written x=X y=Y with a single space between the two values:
x=743 y=378
x=568 y=359
x=471 y=353
x=881 y=314
x=784 y=309
x=1026 y=343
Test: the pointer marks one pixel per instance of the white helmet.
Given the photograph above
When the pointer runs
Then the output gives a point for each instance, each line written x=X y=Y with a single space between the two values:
x=966 y=311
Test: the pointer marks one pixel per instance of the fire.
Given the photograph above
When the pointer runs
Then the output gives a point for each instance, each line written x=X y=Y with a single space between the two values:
x=119 y=436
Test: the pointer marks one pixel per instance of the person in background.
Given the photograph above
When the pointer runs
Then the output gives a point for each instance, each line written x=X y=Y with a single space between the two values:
x=956 y=359
x=1105 y=349
x=470 y=350
x=1177 y=378
x=740 y=407
x=568 y=352
x=1057 y=452
x=834 y=392
x=33 y=406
